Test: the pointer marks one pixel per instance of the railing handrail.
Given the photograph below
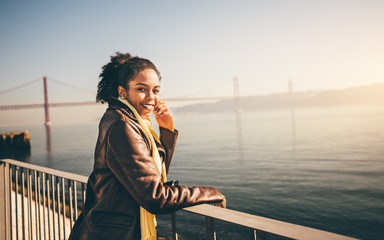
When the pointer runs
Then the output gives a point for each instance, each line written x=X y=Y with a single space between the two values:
x=285 y=229
x=235 y=217
x=51 y=171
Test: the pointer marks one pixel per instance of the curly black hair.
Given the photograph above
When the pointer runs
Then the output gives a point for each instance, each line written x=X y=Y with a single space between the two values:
x=118 y=72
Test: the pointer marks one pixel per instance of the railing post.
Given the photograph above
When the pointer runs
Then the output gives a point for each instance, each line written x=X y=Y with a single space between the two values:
x=5 y=225
x=17 y=173
x=255 y=235
x=211 y=234
x=173 y=219
x=29 y=204
x=22 y=170
x=2 y=201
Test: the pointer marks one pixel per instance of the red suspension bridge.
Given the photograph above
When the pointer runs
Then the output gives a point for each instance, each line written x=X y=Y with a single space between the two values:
x=47 y=105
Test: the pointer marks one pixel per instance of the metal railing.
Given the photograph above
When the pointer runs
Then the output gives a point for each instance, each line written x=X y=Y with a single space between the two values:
x=38 y=202
x=43 y=203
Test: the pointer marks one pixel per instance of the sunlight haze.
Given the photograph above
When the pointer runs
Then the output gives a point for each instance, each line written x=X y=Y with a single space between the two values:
x=199 y=46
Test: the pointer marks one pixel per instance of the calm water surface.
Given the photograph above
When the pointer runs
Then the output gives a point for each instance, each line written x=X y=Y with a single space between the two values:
x=321 y=168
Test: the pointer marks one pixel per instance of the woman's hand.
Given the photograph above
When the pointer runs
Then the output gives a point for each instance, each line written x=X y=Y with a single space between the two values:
x=164 y=117
x=222 y=204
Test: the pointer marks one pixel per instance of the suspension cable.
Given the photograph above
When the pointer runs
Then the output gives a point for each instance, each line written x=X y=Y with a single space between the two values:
x=71 y=86
x=20 y=86
x=207 y=89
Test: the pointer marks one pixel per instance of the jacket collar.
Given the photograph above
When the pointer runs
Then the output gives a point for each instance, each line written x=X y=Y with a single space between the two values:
x=115 y=103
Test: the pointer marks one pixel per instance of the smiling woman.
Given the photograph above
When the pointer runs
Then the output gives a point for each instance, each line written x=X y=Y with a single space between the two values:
x=143 y=94
x=128 y=183
x=143 y=90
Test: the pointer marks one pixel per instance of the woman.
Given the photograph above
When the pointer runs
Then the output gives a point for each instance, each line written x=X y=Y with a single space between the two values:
x=126 y=187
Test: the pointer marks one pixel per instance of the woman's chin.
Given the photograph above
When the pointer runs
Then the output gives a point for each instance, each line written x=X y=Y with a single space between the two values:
x=145 y=115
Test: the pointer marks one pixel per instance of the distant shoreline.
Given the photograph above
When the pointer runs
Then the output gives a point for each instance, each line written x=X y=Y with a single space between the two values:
x=362 y=95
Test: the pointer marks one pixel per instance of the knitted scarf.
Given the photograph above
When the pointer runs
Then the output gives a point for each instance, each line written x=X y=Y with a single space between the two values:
x=147 y=219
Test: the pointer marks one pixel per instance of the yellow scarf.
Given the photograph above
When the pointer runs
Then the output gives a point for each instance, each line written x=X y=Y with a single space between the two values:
x=147 y=219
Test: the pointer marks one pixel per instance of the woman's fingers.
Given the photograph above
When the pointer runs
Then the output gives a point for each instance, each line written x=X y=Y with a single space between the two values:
x=222 y=204
x=161 y=108
x=163 y=115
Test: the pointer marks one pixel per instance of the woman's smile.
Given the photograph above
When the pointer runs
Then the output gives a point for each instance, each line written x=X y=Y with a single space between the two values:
x=148 y=106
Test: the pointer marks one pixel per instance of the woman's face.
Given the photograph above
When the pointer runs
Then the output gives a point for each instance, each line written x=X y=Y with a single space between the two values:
x=143 y=92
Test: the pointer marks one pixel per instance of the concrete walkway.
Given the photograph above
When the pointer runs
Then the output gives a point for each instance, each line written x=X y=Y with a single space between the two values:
x=37 y=220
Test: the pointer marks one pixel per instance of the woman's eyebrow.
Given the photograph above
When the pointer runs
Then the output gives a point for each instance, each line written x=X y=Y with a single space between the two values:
x=143 y=84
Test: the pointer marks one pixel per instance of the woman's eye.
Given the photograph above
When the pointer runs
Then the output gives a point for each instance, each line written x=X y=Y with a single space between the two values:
x=156 y=91
x=141 y=89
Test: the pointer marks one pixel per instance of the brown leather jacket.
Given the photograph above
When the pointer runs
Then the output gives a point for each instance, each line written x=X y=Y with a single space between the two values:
x=125 y=177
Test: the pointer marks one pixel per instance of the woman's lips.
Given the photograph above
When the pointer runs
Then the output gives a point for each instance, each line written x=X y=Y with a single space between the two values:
x=148 y=106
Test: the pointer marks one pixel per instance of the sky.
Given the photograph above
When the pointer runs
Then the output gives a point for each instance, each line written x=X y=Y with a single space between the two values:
x=198 y=46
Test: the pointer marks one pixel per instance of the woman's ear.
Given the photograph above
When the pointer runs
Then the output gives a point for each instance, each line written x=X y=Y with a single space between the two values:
x=122 y=92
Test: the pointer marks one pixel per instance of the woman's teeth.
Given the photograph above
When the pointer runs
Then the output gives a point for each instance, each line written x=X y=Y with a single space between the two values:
x=148 y=106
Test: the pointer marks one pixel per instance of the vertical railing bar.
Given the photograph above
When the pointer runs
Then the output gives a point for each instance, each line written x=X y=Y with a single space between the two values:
x=35 y=191
x=253 y=234
x=38 y=176
x=53 y=206
x=29 y=192
x=83 y=194
x=211 y=234
x=173 y=222
x=257 y=234
x=23 y=201
x=17 y=196
x=70 y=202
x=43 y=179
x=48 y=207
x=6 y=206
x=3 y=200
x=58 y=206
x=75 y=195
x=11 y=167
x=10 y=199
x=63 y=203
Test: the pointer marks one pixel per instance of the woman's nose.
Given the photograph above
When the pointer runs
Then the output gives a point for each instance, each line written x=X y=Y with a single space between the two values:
x=150 y=96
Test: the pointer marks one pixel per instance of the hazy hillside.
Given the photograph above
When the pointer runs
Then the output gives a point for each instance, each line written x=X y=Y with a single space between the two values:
x=371 y=94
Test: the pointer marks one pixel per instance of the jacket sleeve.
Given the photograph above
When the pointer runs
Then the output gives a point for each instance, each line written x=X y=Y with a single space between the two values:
x=129 y=159
x=168 y=140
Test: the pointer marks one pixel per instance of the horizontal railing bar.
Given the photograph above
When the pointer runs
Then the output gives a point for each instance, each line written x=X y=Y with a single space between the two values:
x=46 y=170
x=264 y=224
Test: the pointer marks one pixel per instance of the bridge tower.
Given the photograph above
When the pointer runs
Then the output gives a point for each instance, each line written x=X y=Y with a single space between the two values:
x=46 y=104
x=236 y=94
x=290 y=87
x=238 y=114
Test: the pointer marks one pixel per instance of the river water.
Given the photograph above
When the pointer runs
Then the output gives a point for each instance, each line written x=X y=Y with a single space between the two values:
x=319 y=167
